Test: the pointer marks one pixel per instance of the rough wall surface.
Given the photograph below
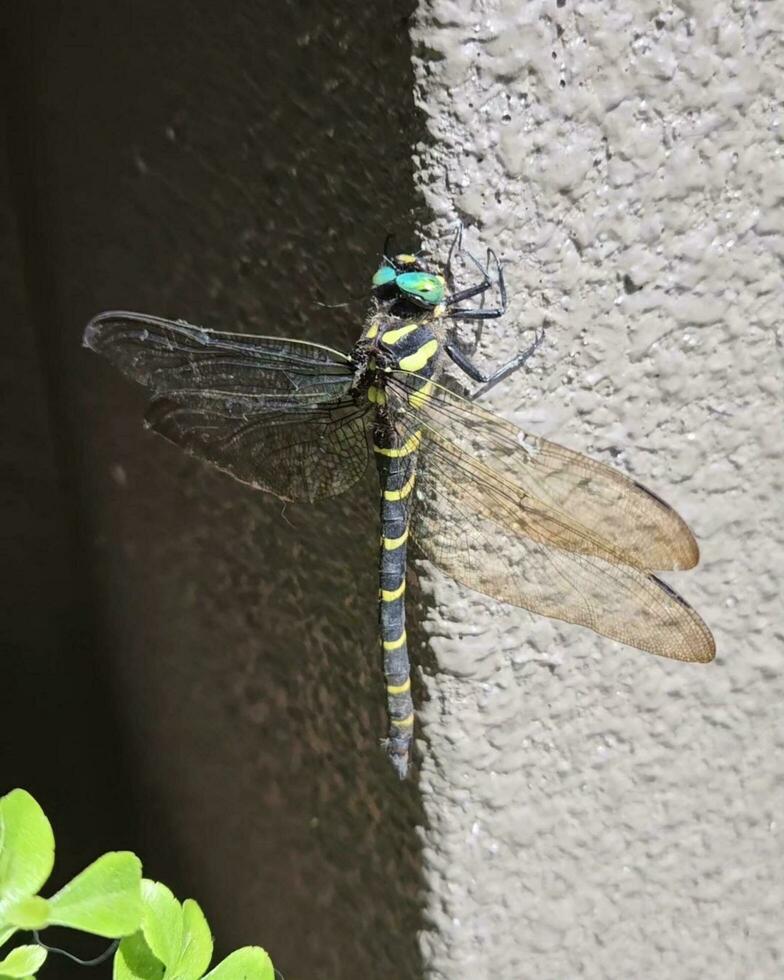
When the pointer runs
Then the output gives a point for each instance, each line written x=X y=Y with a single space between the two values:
x=594 y=811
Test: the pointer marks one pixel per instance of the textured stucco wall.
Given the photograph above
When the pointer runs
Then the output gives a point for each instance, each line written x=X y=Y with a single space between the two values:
x=594 y=811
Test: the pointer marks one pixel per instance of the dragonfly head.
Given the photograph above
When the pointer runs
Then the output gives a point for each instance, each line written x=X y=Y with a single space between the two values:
x=404 y=277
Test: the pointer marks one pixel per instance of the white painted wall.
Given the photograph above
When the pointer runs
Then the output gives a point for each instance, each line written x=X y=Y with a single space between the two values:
x=595 y=811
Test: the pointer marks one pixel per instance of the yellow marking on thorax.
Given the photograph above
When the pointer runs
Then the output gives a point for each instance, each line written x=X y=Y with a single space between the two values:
x=416 y=361
x=393 y=336
x=376 y=395
x=399 y=689
x=391 y=543
x=395 y=644
x=418 y=398
x=439 y=311
x=403 y=492
x=389 y=595
x=410 y=446
x=372 y=331
x=407 y=722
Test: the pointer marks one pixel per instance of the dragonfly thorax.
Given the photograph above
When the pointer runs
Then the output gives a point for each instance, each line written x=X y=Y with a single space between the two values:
x=399 y=344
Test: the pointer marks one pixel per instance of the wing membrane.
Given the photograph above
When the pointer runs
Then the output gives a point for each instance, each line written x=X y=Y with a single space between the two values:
x=294 y=450
x=544 y=491
x=274 y=413
x=172 y=356
x=529 y=523
x=615 y=600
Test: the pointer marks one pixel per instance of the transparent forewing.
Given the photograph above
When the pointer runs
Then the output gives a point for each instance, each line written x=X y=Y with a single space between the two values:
x=295 y=450
x=543 y=491
x=172 y=356
x=613 y=599
x=274 y=413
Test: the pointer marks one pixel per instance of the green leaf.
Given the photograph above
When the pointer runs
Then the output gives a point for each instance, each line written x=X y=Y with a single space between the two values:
x=134 y=960
x=29 y=913
x=104 y=899
x=196 y=947
x=26 y=848
x=162 y=922
x=22 y=962
x=175 y=943
x=6 y=933
x=248 y=963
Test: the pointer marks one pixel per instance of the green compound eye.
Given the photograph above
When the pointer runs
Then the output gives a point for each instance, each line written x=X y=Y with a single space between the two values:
x=421 y=287
x=383 y=276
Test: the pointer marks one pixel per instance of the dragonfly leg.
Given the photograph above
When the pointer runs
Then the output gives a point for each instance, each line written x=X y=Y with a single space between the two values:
x=457 y=245
x=477 y=288
x=480 y=315
x=477 y=314
x=487 y=381
x=461 y=313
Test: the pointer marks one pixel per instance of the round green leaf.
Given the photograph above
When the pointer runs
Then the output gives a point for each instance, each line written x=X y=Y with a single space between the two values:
x=248 y=963
x=26 y=848
x=104 y=899
x=162 y=922
x=196 y=947
x=29 y=913
x=22 y=962
x=134 y=960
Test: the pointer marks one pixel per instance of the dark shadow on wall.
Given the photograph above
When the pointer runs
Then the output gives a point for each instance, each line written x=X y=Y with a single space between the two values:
x=191 y=670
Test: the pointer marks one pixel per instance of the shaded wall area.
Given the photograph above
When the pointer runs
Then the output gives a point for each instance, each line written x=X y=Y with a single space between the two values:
x=191 y=668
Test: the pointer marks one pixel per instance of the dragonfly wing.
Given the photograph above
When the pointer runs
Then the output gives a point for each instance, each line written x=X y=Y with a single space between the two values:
x=454 y=530
x=274 y=413
x=296 y=451
x=549 y=493
x=168 y=355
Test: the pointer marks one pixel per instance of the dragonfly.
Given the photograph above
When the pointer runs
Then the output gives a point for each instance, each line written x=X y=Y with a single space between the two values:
x=502 y=511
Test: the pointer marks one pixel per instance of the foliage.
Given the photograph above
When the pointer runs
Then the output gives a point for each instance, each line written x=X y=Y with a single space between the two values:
x=160 y=938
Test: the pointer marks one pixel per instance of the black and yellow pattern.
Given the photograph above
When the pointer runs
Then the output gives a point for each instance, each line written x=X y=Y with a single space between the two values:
x=502 y=511
x=396 y=463
x=412 y=347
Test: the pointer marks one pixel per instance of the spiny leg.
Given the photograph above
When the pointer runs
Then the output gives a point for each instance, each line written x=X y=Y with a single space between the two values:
x=476 y=290
x=457 y=245
x=460 y=313
x=453 y=347
x=488 y=381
